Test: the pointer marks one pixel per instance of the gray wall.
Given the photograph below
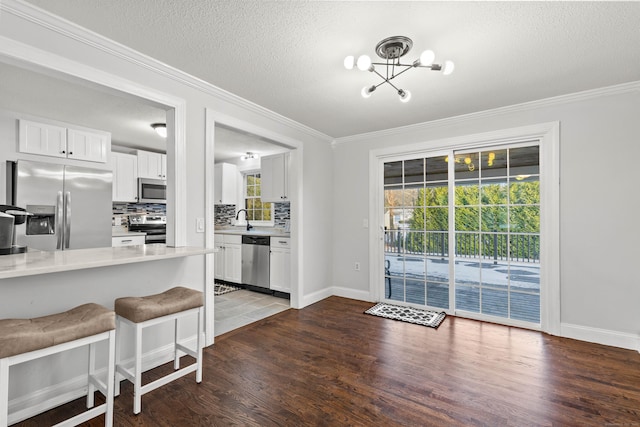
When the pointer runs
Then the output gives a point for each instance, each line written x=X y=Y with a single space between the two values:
x=598 y=207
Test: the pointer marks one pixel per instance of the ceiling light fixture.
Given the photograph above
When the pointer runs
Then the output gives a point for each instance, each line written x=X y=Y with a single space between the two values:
x=160 y=128
x=392 y=49
x=248 y=156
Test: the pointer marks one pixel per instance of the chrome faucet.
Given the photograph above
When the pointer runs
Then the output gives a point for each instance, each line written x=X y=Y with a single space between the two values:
x=246 y=217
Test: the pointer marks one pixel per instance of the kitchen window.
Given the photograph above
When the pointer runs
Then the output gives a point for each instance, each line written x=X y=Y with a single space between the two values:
x=258 y=212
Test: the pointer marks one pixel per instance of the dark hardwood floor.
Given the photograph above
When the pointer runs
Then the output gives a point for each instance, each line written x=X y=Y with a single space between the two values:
x=331 y=365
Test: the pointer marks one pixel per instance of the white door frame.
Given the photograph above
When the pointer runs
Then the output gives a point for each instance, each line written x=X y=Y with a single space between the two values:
x=212 y=118
x=548 y=135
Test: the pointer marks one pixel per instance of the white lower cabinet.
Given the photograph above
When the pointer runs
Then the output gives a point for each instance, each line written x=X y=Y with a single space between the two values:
x=280 y=264
x=227 y=260
x=127 y=241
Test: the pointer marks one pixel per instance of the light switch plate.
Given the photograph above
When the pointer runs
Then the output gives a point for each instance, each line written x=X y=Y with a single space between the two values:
x=199 y=225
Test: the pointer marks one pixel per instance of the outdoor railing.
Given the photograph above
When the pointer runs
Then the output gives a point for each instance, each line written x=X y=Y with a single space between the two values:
x=520 y=247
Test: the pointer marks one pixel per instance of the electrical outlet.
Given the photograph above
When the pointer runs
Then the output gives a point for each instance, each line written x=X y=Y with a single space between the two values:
x=356 y=266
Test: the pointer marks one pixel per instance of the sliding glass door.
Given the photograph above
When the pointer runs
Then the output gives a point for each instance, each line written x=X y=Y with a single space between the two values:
x=497 y=232
x=479 y=209
x=416 y=242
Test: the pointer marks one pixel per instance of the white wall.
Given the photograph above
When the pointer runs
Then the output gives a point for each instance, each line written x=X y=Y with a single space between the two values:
x=598 y=207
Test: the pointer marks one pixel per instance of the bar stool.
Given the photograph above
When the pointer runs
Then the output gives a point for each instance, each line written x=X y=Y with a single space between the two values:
x=141 y=312
x=22 y=340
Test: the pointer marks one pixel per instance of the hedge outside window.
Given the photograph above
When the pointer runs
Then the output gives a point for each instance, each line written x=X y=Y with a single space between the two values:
x=257 y=210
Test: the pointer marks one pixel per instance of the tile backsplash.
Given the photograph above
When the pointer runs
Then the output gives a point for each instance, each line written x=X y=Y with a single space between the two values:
x=225 y=213
x=121 y=211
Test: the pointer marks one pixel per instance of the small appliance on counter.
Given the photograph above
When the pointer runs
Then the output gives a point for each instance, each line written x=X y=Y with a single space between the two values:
x=10 y=216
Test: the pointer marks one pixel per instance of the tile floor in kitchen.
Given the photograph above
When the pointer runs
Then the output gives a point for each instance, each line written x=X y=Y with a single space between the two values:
x=239 y=308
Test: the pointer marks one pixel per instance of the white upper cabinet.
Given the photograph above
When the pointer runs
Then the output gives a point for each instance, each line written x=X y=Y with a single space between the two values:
x=125 y=177
x=86 y=145
x=274 y=177
x=152 y=165
x=64 y=142
x=225 y=189
x=43 y=139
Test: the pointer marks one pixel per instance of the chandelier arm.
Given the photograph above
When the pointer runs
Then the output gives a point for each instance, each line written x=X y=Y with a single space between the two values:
x=396 y=75
x=380 y=75
x=392 y=85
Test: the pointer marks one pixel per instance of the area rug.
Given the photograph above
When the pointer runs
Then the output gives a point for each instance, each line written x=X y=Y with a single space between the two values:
x=408 y=314
x=221 y=288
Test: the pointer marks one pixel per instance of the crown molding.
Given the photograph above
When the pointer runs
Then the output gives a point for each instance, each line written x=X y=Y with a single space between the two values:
x=525 y=106
x=80 y=34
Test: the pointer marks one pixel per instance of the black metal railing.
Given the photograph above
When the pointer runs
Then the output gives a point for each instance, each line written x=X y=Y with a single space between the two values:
x=519 y=247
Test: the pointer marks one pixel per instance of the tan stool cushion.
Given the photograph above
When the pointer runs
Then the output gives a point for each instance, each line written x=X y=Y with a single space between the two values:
x=19 y=336
x=175 y=300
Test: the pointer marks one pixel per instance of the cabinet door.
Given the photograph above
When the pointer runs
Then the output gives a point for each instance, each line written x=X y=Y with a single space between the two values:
x=163 y=166
x=125 y=177
x=218 y=257
x=43 y=139
x=150 y=165
x=273 y=177
x=279 y=275
x=89 y=146
x=233 y=263
x=225 y=184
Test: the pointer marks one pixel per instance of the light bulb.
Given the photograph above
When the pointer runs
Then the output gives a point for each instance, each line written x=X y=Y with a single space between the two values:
x=349 y=62
x=364 y=62
x=367 y=90
x=448 y=67
x=405 y=95
x=427 y=57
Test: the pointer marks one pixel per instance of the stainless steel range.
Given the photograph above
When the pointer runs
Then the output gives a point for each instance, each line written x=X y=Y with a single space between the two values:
x=154 y=225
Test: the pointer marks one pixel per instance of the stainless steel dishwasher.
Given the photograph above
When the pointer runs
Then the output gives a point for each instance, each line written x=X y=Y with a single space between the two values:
x=255 y=260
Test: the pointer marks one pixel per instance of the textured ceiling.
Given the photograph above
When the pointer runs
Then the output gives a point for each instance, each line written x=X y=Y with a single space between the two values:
x=287 y=55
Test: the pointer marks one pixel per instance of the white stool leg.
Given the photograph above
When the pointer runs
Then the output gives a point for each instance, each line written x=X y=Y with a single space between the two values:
x=137 y=384
x=118 y=344
x=176 y=355
x=91 y=389
x=4 y=391
x=199 y=345
x=111 y=367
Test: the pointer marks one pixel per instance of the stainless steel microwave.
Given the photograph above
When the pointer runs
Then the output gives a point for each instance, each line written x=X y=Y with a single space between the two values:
x=152 y=190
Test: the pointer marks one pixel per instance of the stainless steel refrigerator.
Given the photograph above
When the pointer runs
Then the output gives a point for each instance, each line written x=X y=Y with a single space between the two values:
x=71 y=205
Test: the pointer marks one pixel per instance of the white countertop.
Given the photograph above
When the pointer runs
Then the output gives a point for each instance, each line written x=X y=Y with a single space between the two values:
x=125 y=233
x=42 y=262
x=272 y=232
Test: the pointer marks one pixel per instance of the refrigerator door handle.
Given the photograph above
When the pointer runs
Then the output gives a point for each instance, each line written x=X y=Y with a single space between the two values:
x=67 y=219
x=59 y=214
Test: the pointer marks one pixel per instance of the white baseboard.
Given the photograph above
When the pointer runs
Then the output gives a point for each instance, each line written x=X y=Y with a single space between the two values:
x=352 y=293
x=41 y=400
x=601 y=336
x=335 y=291
x=316 y=296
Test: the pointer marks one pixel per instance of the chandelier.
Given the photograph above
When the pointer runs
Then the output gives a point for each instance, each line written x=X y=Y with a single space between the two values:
x=391 y=50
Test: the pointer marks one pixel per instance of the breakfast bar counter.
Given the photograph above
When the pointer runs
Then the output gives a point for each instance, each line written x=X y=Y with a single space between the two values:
x=36 y=262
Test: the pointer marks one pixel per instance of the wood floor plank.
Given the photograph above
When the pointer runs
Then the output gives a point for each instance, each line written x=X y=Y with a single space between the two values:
x=332 y=365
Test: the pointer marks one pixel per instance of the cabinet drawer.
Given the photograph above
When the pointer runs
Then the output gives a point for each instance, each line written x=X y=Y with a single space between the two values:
x=281 y=242
x=127 y=241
